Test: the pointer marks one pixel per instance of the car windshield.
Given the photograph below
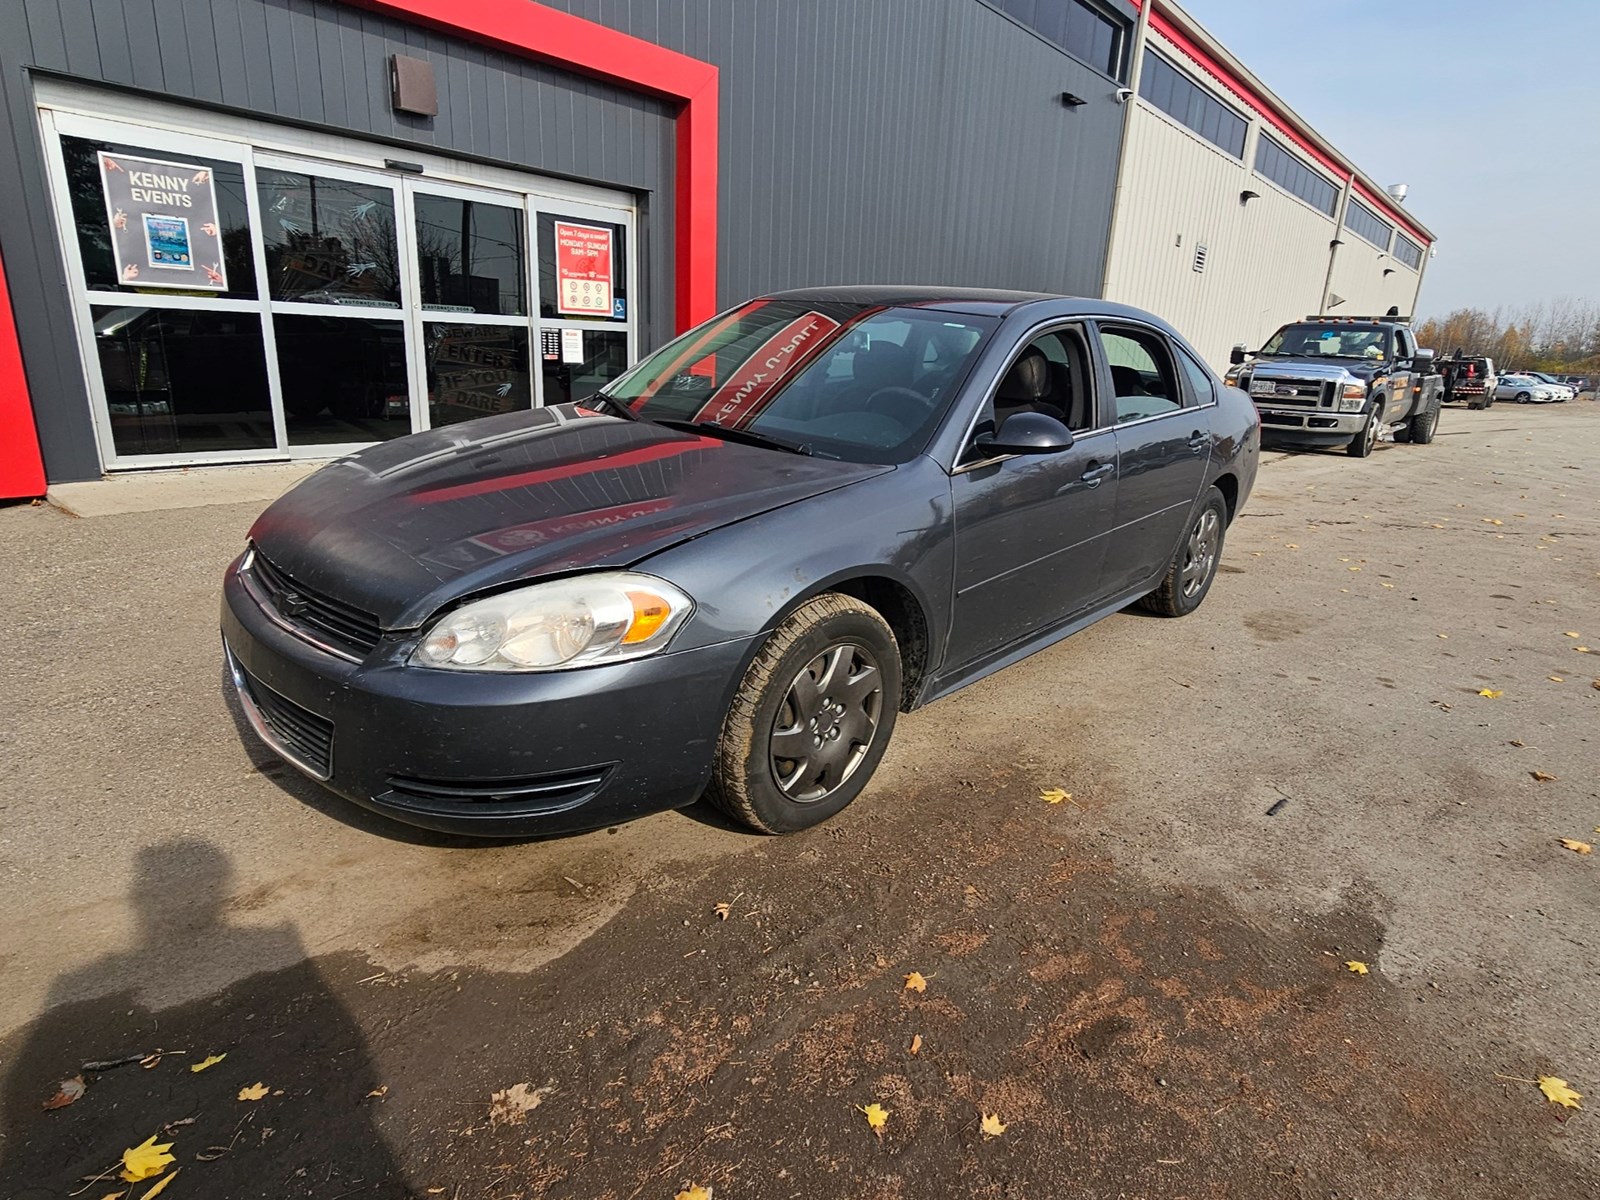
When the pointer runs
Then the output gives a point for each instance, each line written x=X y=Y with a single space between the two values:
x=863 y=383
x=1328 y=341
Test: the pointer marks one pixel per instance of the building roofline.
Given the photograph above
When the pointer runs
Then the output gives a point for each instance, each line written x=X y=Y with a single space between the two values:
x=1172 y=22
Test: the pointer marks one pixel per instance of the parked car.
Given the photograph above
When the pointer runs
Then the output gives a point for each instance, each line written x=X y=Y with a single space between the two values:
x=1525 y=389
x=1563 y=390
x=729 y=570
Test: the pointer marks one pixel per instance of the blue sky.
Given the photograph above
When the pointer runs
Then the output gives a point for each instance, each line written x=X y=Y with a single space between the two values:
x=1490 y=111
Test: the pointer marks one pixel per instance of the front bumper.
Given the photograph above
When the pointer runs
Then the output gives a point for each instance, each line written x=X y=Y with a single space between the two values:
x=1309 y=426
x=488 y=754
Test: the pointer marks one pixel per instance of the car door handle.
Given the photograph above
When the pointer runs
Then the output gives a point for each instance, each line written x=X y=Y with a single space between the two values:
x=1096 y=473
x=1197 y=441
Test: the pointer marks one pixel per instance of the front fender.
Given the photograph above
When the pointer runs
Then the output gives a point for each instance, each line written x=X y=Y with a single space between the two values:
x=747 y=577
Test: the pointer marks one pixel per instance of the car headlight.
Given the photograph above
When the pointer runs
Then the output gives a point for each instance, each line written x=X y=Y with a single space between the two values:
x=1234 y=374
x=607 y=617
x=1352 y=397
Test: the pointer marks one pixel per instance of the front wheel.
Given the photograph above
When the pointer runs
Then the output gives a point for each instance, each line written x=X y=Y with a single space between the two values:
x=1194 y=565
x=811 y=719
x=1523 y=397
x=1361 y=445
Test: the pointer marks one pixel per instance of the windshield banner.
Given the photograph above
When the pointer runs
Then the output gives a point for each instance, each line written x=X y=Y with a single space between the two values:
x=163 y=220
x=741 y=398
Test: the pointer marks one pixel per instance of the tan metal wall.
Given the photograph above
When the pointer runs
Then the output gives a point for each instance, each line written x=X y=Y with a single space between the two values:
x=1267 y=261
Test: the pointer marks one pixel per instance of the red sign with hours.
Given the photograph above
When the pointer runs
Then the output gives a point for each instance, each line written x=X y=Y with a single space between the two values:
x=583 y=270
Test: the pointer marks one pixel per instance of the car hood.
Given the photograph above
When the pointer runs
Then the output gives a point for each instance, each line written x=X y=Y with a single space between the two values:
x=403 y=528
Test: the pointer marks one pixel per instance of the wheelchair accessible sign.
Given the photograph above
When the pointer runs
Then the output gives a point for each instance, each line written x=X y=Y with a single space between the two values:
x=163 y=222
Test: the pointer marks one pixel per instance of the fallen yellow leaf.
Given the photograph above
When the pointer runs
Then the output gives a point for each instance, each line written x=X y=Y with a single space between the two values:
x=1576 y=846
x=991 y=1125
x=1054 y=795
x=378 y=1093
x=146 y=1160
x=256 y=1091
x=1355 y=568
x=207 y=1062
x=1491 y=694
x=1445 y=636
x=916 y=1044
x=1493 y=521
x=1573 y=635
x=1356 y=968
x=1555 y=678
x=722 y=911
x=1388 y=585
x=916 y=983
x=1557 y=1092
x=1543 y=776
x=161 y=1187
x=694 y=1193
x=876 y=1115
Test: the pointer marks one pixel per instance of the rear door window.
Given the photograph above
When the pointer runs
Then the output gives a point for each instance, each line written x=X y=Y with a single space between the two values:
x=1143 y=380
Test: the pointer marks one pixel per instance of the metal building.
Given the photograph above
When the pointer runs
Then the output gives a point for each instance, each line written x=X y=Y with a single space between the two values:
x=1233 y=215
x=262 y=230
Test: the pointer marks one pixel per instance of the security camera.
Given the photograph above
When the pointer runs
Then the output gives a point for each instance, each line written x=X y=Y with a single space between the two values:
x=1123 y=94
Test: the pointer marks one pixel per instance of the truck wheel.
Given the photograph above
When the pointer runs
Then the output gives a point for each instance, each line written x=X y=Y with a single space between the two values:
x=1361 y=445
x=1422 y=426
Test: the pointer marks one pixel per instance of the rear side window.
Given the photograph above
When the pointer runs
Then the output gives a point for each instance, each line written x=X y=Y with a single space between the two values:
x=1142 y=375
x=1199 y=379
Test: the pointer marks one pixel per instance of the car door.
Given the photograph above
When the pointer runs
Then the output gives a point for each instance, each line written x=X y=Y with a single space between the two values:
x=1400 y=397
x=1163 y=435
x=1030 y=530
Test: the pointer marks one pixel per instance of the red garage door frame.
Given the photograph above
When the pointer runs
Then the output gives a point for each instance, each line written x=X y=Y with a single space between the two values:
x=536 y=32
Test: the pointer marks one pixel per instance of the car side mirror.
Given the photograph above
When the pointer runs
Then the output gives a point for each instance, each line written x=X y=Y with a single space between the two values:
x=1027 y=433
x=1236 y=355
x=1423 y=359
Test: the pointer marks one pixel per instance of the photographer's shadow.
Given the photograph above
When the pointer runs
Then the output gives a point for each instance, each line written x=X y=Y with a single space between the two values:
x=280 y=1024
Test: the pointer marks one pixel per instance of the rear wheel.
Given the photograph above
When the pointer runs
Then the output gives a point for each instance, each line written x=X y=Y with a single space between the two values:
x=1420 y=429
x=1194 y=565
x=812 y=717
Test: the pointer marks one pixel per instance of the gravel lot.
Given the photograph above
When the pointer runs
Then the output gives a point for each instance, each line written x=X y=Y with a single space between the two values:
x=1146 y=984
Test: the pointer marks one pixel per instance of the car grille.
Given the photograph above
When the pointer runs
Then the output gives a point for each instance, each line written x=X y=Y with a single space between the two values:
x=497 y=797
x=301 y=733
x=318 y=617
x=1308 y=393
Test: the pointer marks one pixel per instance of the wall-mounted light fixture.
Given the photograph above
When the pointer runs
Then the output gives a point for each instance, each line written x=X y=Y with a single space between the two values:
x=1335 y=242
x=1072 y=101
x=1247 y=195
x=1388 y=270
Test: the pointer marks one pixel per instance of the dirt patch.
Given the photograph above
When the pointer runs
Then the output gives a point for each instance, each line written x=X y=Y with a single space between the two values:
x=1138 y=1043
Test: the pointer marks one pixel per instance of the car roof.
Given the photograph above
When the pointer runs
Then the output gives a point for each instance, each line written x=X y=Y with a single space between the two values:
x=973 y=301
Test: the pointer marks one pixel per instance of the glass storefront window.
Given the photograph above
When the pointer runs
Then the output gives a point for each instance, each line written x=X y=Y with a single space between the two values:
x=471 y=256
x=328 y=240
x=86 y=192
x=573 y=268
x=183 y=381
x=475 y=371
x=605 y=356
x=344 y=379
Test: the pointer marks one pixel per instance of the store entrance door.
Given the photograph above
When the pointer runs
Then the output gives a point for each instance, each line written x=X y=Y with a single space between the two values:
x=334 y=302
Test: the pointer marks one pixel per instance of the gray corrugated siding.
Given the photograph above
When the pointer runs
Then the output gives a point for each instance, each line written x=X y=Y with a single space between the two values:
x=861 y=140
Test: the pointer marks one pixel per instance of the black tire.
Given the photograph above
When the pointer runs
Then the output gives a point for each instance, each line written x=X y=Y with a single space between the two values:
x=1421 y=428
x=1488 y=401
x=1194 y=563
x=1361 y=445
x=774 y=710
x=1523 y=397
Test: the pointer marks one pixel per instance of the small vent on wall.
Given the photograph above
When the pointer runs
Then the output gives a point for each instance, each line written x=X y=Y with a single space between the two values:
x=1199 y=259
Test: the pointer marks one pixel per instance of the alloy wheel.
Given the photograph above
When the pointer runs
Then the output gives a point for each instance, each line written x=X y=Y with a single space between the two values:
x=1200 y=556
x=826 y=723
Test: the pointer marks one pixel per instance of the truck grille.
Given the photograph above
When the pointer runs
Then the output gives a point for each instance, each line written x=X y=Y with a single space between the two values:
x=319 y=617
x=1305 y=393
